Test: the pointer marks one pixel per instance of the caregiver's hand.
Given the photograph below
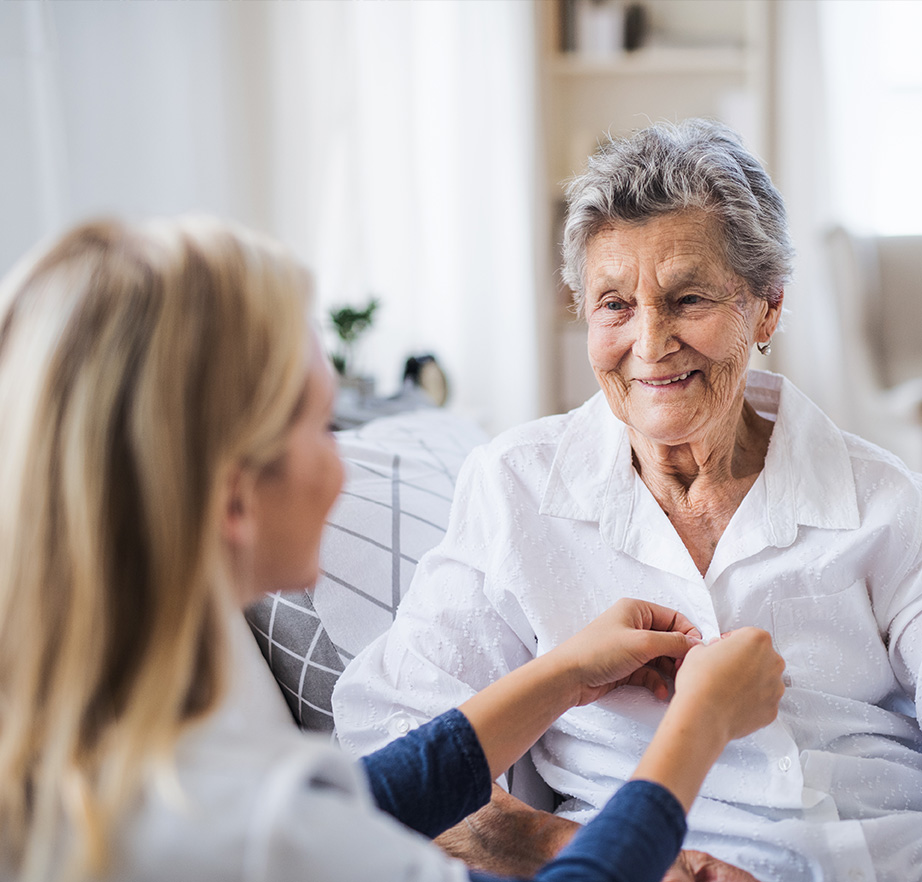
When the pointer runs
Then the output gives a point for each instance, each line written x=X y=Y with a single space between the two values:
x=633 y=642
x=512 y=713
x=724 y=690
x=733 y=684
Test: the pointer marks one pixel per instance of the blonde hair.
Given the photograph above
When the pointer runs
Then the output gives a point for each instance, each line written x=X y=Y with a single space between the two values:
x=139 y=364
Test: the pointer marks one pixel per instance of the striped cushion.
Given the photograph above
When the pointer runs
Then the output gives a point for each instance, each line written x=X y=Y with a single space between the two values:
x=400 y=476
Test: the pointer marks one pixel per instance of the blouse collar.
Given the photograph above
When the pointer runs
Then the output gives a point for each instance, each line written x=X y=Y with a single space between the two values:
x=807 y=476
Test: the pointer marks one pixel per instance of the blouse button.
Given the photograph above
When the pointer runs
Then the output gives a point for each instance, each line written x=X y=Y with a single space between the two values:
x=402 y=725
x=785 y=764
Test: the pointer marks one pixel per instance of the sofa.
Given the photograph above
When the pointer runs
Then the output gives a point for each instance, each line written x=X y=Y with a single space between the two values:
x=400 y=477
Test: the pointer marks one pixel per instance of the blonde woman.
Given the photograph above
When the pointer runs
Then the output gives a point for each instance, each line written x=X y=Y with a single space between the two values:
x=164 y=459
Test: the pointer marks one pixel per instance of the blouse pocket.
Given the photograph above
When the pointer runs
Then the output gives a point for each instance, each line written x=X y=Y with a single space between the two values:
x=831 y=643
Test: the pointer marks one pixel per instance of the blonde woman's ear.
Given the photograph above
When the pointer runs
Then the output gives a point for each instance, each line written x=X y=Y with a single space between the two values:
x=238 y=522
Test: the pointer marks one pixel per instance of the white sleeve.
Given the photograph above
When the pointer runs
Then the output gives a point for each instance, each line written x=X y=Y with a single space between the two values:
x=905 y=643
x=314 y=820
x=902 y=609
x=449 y=639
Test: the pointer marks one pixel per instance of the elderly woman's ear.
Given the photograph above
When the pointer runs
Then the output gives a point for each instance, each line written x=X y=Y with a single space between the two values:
x=770 y=317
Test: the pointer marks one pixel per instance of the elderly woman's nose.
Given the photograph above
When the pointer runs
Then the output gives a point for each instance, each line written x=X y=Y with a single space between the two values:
x=655 y=338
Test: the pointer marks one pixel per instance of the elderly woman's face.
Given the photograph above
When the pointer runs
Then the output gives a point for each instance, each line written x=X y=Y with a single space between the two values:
x=671 y=327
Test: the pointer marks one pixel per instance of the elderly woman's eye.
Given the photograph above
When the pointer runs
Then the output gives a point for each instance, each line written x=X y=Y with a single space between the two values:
x=614 y=305
x=690 y=299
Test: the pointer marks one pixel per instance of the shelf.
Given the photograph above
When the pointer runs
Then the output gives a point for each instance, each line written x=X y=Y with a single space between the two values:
x=655 y=60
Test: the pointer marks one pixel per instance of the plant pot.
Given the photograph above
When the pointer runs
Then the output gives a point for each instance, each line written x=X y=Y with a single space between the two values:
x=359 y=388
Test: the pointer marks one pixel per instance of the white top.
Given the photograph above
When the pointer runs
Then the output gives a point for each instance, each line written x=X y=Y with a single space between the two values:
x=259 y=801
x=551 y=525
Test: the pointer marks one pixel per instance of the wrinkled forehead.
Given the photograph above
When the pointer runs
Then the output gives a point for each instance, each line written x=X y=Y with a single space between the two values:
x=675 y=247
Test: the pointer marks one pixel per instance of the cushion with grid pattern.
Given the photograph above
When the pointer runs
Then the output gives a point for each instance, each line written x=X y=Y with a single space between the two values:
x=400 y=476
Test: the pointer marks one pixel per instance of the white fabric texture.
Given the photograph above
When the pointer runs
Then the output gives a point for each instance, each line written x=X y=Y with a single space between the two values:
x=260 y=801
x=551 y=525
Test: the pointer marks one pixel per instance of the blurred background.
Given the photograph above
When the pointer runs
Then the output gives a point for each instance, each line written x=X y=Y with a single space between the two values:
x=416 y=152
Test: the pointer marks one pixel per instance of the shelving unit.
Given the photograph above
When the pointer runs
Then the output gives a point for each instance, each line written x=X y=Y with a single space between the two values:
x=700 y=58
x=662 y=60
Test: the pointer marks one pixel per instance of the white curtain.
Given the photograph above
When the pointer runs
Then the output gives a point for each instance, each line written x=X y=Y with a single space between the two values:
x=392 y=145
x=844 y=154
x=808 y=350
x=404 y=167
x=875 y=68
x=32 y=155
x=128 y=109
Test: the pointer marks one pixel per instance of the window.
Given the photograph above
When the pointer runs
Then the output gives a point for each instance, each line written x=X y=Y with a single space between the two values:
x=874 y=69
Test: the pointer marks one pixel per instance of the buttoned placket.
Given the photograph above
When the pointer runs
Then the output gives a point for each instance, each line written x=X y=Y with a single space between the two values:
x=634 y=524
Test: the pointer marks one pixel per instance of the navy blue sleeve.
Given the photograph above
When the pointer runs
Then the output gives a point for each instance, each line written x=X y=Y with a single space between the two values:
x=433 y=777
x=635 y=838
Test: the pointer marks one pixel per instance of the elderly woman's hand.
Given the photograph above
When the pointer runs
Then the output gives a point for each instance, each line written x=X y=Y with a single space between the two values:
x=697 y=866
x=632 y=643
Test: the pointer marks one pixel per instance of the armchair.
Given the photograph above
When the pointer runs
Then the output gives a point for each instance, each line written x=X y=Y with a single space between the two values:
x=878 y=281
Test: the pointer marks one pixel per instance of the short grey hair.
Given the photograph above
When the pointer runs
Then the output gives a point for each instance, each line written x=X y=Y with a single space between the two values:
x=696 y=164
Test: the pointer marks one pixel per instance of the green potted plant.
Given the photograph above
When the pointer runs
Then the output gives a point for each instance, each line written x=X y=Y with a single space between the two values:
x=350 y=324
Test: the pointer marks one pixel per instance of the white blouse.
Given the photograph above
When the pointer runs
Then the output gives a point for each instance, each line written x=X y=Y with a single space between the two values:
x=254 y=799
x=551 y=525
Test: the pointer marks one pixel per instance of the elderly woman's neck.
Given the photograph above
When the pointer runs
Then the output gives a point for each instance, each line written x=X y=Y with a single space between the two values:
x=718 y=459
x=700 y=485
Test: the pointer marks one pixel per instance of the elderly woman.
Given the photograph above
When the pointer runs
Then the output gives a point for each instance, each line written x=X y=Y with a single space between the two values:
x=165 y=459
x=696 y=483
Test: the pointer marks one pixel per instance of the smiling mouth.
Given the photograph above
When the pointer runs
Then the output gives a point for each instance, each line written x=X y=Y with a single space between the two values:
x=668 y=382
